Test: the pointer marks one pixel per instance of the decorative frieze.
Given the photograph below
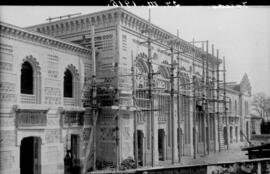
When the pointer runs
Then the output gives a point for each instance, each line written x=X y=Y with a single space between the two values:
x=52 y=95
x=53 y=83
x=10 y=30
x=50 y=91
x=10 y=98
x=53 y=66
x=6 y=53
x=7 y=87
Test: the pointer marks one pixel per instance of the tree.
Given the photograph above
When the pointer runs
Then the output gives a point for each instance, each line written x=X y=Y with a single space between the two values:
x=261 y=105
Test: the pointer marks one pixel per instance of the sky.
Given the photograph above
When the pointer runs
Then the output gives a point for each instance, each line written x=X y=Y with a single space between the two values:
x=242 y=34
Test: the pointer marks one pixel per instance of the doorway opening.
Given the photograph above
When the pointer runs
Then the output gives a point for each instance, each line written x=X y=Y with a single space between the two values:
x=236 y=134
x=161 y=144
x=225 y=136
x=30 y=155
x=140 y=147
x=72 y=157
x=231 y=134
x=247 y=131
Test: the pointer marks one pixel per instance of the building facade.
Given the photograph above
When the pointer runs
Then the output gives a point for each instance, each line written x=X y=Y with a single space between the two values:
x=47 y=98
x=41 y=110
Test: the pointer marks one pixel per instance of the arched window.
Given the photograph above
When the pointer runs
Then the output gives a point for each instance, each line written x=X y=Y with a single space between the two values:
x=68 y=84
x=27 y=78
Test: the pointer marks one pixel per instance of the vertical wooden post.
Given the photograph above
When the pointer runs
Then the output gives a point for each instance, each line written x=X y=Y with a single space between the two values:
x=150 y=75
x=135 y=112
x=194 y=103
x=94 y=94
x=172 y=103
x=224 y=101
x=218 y=113
x=213 y=96
x=207 y=99
x=203 y=103
x=178 y=103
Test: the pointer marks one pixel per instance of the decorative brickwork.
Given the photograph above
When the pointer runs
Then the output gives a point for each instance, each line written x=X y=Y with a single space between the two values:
x=52 y=136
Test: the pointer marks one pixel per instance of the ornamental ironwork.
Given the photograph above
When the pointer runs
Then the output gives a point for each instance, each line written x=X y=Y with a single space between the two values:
x=30 y=118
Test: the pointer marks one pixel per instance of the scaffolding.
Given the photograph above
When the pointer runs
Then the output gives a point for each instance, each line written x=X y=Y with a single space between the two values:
x=204 y=89
x=209 y=84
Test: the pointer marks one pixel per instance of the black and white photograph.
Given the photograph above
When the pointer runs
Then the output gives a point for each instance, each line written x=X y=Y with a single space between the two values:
x=130 y=89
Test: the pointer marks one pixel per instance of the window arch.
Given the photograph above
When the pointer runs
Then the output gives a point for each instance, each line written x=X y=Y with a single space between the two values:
x=68 y=84
x=27 y=78
x=71 y=86
x=30 y=81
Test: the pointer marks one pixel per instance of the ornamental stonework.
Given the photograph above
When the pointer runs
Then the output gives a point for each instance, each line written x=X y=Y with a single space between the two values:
x=7 y=87
x=10 y=98
x=6 y=160
x=52 y=95
x=7 y=137
x=52 y=136
x=6 y=121
x=53 y=66
x=4 y=66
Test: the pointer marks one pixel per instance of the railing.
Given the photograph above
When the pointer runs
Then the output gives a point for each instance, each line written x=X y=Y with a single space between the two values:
x=30 y=118
x=28 y=99
x=69 y=101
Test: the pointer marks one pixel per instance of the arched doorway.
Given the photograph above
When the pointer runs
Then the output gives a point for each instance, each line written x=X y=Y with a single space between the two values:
x=161 y=144
x=30 y=155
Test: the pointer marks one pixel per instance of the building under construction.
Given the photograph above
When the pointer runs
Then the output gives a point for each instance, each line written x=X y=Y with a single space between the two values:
x=143 y=93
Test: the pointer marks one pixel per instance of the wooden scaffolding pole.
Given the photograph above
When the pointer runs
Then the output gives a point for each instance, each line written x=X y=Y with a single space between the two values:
x=194 y=102
x=172 y=103
x=203 y=115
x=94 y=95
x=218 y=113
x=178 y=103
x=224 y=101
x=207 y=100
x=213 y=98
x=150 y=79
x=135 y=112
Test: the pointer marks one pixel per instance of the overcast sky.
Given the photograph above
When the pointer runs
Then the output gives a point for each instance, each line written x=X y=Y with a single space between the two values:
x=242 y=35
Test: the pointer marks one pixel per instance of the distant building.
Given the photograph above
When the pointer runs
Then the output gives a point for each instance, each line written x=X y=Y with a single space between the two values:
x=45 y=94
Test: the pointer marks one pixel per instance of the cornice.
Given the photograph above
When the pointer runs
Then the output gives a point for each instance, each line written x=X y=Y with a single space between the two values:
x=81 y=23
x=137 y=24
x=11 y=30
x=117 y=16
